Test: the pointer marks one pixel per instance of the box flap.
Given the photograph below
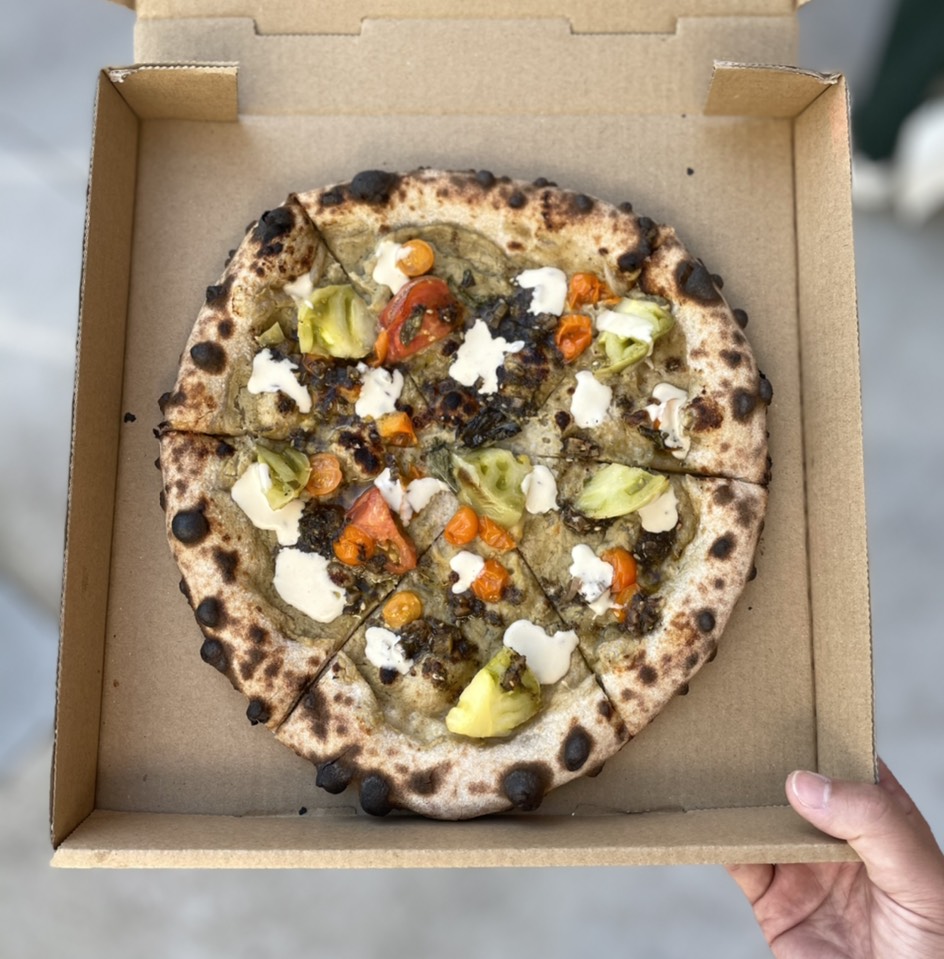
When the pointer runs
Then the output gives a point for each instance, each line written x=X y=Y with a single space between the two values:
x=343 y=16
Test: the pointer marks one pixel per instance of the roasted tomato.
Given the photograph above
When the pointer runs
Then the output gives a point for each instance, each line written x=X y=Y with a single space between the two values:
x=371 y=514
x=422 y=313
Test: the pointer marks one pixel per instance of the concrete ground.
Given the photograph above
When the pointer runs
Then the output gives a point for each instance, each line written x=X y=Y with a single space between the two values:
x=46 y=79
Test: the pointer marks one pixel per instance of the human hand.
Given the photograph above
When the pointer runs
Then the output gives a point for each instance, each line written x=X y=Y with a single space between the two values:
x=888 y=906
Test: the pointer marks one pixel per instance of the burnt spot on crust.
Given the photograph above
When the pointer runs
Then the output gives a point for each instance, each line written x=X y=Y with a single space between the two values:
x=485 y=179
x=210 y=612
x=217 y=293
x=209 y=356
x=225 y=328
x=706 y=414
x=576 y=749
x=227 y=562
x=333 y=777
x=583 y=203
x=257 y=712
x=373 y=186
x=315 y=704
x=740 y=317
x=375 y=795
x=733 y=358
x=743 y=404
x=648 y=675
x=367 y=455
x=705 y=620
x=517 y=200
x=722 y=546
x=691 y=661
x=213 y=653
x=525 y=785
x=631 y=261
x=424 y=782
x=190 y=526
x=696 y=282
x=605 y=708
x=332 y=197
x=723 y=495
x=272 y=224
x=765 y=390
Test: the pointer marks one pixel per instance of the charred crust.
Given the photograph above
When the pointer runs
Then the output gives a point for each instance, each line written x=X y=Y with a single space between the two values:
x=257 y=712
x=705 y=620
x=190 y=526
x=213 y=653
x=315 y=704
x=765 y=390
x=373 y=186
x=740 y=317
x=576 y=749
x=733 y=358
x=707 y=414
x=334 y=197
x=605 y=709
x=625 y=207
x=210 y=612
x=723 y=495
x=563 y=419
x=425 y=782
x=333 y=777
x=209 y=356
x=721 y=548
x=743 y=404
x=272 y=225
x=227 y=562
x=375 y=795
x=696 y=282
x=225 y=328
x=631 y=261
x=517 y=200
x=224 y=450
x=525 y=785
x=485 y=179
x=583 y=203
x=648 y=675
x=217 y=293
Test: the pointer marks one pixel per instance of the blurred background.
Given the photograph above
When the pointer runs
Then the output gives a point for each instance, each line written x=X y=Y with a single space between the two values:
x=47 y=75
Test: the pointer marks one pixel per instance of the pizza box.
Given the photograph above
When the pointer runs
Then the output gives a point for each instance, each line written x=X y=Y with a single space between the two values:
x=233 y=104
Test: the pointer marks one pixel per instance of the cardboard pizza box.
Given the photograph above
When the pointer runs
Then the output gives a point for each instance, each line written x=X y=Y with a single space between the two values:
x=232 y=105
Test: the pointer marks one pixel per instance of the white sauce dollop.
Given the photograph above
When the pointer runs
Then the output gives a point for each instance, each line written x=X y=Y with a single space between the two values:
x=277 y=375
x=595 y=574
x=591 y=400
x=661 y=514
x=380 y=390
x=540 y=490
x=302 y=580
x=548 y=656
x=384 y=650
x=480 y=356
x=627 y=326
x=386 y=272
x=468 y=566
x=409 y=500
x=301 y=288
x=666 y=415
x=550 y=289
x=248 y=494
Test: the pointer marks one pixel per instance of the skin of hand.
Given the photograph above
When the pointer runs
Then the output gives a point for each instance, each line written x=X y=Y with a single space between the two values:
x=891 y=904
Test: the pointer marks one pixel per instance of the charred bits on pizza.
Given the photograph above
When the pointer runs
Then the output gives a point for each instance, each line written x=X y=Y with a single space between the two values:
x=452 y=465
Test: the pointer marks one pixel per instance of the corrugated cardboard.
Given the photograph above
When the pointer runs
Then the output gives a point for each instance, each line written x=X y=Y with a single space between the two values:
x=155 y=763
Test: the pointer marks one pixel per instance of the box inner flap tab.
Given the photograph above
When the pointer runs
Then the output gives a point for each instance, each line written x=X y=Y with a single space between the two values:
x=191 y=91
x=751 y=90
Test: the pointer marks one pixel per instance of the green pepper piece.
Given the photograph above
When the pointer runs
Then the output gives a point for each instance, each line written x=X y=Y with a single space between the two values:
x=288 y=471
x=503 y=694
x=621 y=351
x=334 y=321
x=489 y=480
x=618 y=490
x=272 y=336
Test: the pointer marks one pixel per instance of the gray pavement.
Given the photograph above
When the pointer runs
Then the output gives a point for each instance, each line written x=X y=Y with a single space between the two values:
x=46 y=79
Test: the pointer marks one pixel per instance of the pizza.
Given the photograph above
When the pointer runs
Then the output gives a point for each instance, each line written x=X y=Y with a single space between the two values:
x=464 y=477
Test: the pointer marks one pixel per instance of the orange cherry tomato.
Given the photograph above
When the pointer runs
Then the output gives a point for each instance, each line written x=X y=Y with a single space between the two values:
x=490 y=584
x=402 y=608
x=396 y=429
x=463 y=527
x=623 y=599
x=415 y=257
x=587 y=289
x=624 y=568
x=381 y=346
x=494 y=535
x=422 y=313
x=371 y=514
x=354 y=547
x=574 y=334
x=325 y=476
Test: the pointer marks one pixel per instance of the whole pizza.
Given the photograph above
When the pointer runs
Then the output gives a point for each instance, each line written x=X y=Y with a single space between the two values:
x=464 y=476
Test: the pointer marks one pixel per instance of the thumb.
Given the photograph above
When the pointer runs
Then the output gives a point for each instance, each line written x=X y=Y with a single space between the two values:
x=883 y=826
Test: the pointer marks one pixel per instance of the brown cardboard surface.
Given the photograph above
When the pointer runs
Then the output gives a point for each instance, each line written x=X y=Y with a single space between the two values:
x=344 y=16
x=180 y=778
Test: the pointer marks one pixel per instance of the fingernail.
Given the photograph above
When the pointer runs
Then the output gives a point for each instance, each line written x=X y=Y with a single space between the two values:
x=811 y=789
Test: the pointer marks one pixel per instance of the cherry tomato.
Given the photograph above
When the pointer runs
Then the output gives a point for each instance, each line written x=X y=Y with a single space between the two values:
x=574 y=334
x=489 y=585
x=371 y=514
x=422 y=313
x=463 y=527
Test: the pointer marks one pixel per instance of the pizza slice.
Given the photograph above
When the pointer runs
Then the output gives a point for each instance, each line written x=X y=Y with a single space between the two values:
x=463 y=693
x=647 y=569
x=280 y=572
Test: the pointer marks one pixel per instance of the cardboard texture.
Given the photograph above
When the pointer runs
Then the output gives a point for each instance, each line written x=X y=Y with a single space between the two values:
x=155 y=764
